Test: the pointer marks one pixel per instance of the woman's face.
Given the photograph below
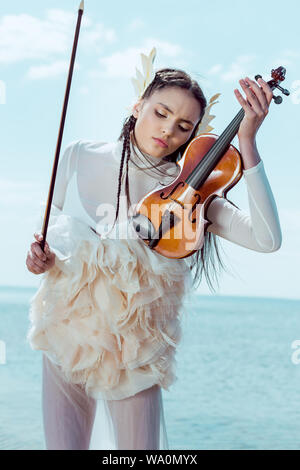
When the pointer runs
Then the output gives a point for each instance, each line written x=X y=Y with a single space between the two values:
x=169 y=114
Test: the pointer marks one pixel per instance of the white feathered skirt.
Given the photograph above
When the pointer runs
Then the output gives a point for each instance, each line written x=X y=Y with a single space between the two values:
x=107 y=315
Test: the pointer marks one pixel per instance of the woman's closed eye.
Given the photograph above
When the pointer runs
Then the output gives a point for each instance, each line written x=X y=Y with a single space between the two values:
x=181 y=128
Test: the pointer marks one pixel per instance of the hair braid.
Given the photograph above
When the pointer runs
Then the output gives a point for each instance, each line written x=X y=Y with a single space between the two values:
x=127 y=128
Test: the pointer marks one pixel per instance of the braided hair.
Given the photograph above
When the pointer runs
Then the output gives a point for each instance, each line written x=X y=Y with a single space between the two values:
x=127 y=128
x=203 y=260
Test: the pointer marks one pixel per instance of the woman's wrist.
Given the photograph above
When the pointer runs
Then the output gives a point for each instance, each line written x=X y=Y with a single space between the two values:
x=249 y=153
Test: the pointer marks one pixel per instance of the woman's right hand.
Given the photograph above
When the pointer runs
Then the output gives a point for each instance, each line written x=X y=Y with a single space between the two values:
x=37 y=261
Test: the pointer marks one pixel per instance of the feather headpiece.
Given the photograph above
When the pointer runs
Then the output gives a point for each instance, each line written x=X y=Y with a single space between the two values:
x=143 y=80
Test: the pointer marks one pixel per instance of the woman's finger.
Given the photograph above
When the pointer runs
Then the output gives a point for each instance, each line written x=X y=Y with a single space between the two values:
x=39 y=238
x=36 y=248
x=36 y=258
x=33 y=266
x=252 y=98
x=247 y=108
x=260 y=94
x=266 y=87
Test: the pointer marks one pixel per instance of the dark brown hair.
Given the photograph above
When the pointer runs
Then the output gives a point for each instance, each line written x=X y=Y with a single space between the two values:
x=201 y=260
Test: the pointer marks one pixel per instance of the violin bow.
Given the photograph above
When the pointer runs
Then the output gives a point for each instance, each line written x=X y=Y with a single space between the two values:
x=61 y=127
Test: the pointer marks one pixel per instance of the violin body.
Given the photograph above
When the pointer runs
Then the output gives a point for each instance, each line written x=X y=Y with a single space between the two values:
x=172 y=220
x=184 y=234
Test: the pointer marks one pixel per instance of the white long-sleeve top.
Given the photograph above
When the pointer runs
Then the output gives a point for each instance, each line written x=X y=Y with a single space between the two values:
x=109 y=311
x=87 y=178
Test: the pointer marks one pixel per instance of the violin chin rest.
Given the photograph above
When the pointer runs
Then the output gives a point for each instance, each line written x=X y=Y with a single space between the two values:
x=143 y=226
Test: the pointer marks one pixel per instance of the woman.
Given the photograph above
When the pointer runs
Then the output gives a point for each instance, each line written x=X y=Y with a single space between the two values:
x=107 y=312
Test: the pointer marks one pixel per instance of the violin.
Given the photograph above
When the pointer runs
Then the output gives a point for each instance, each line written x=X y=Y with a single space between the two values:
x=172 y=220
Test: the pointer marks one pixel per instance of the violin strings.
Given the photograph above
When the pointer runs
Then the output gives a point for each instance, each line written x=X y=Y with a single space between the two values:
x=218 y=145
x=205 y=164
x=220 y=142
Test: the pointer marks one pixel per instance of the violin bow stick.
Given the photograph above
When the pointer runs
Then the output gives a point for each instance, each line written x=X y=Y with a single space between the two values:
x=61 y=127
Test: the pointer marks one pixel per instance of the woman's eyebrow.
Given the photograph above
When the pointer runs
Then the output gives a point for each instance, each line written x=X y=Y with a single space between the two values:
x=170 y=110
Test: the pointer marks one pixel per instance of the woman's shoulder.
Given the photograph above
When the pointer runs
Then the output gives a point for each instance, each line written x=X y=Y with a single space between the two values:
x=95 y=148
x=95 y=155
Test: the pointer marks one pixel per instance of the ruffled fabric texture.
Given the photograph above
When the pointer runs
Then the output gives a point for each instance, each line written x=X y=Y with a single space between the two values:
x=108 y=313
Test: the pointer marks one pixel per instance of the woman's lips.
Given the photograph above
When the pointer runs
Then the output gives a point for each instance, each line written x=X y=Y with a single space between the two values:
x=160 y=142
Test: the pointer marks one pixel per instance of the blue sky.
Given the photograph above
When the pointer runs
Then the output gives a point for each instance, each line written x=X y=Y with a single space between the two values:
x=216 y=42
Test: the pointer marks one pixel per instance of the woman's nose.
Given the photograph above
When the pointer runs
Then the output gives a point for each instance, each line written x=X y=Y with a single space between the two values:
x=167 y=129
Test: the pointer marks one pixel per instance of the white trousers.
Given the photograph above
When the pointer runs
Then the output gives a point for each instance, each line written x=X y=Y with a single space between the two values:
x=74 y=421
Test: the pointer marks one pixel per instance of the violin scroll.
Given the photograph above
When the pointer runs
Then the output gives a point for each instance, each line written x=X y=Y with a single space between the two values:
x=278 y=75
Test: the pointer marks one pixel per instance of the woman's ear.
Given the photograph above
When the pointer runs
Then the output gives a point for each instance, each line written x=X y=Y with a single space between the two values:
x=136 y=108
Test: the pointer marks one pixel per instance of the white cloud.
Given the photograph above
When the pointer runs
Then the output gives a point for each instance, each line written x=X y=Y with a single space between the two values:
x=123 y=63
x=49 y=70
x=97 y=36
x=215 y=69
x=62 y=19
x=135 y=25
x=244 y=65
x=239 y=69
x=164 y=48
x=286 y=58
x=26 y=37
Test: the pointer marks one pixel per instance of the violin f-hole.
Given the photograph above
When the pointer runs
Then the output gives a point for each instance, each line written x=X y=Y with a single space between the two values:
x=181 y=183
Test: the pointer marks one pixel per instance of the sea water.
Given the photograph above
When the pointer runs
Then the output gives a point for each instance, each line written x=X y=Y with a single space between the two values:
x=237 y=387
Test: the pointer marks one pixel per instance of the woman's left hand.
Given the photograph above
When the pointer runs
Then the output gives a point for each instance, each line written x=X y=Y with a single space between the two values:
x=256 y=106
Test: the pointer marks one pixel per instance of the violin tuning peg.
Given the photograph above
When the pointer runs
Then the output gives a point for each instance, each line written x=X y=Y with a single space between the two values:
x=283 y=90
x=277 y=99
